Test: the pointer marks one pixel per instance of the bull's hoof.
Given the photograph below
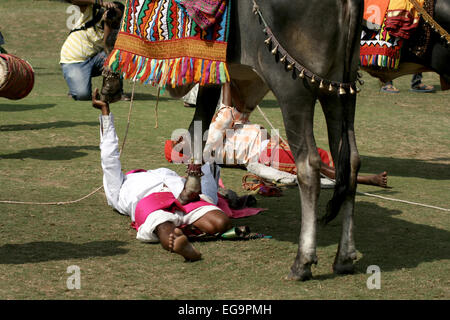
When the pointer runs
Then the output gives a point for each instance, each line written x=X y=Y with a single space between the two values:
x=300 y=271
x=344 y=268
x=303 y=275
x=344 y=264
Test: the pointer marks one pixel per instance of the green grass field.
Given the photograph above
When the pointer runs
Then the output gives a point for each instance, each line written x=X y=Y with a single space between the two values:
x=49 y=152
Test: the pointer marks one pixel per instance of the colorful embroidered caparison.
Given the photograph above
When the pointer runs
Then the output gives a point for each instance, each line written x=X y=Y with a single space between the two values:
x=160 y=44
x=386 y=24
x=379 y=48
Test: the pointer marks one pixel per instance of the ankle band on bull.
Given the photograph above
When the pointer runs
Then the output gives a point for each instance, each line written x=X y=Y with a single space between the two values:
x=194 y=170
x=108 y=74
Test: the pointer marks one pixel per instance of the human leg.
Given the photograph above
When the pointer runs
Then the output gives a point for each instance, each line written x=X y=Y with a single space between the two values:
x=378 y=180
x=96 y=63
x=418 y=86
x=416 y=79
x=172 y=239
x=389 y=87
x=78 y=79
x=212 y=222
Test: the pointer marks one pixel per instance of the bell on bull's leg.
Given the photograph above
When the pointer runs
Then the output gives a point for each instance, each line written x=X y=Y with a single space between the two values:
x=112 y=86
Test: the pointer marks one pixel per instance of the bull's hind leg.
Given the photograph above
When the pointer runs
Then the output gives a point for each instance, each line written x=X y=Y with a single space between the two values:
x=336 y=114
x=346 y=253
x=298 y=115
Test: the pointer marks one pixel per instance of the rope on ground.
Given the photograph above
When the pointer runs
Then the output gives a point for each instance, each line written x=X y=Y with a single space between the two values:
x=403 y=201
x=361 y=193
x=98 y=188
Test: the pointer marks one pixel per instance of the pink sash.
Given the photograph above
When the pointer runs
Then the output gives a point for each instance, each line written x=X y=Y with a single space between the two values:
x=167 y=201
x=159 y=201
x=135 y=171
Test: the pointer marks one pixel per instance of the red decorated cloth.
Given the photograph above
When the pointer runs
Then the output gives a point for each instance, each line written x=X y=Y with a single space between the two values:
x=402 y=18
x=204 y=12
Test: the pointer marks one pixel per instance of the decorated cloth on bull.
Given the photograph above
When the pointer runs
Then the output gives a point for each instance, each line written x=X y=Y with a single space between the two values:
x=402 y=18
x=386 y=24
x=160 y=44
x=374 y=13
x=204 y=12
x=379 y=48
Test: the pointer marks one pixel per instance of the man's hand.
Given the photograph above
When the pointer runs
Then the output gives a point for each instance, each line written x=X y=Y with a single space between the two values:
x=107 y=5
x=99 y=104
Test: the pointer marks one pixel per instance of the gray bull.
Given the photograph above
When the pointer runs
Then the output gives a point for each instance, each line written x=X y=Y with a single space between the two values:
x=308 y=51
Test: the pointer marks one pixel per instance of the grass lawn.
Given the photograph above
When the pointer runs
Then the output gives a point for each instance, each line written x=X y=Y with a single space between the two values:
x=49 y=152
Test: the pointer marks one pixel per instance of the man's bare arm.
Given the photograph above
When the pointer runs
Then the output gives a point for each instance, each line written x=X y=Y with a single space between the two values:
x=99 y=104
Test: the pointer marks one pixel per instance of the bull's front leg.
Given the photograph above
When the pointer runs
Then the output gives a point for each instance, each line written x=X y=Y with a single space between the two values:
x=112 y=86
x=298 y=115
x=192 y=187
x=206 y=103
x=309 y=184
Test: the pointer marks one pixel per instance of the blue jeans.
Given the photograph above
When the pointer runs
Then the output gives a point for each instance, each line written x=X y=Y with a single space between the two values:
x=78 y=75
x=416 y=80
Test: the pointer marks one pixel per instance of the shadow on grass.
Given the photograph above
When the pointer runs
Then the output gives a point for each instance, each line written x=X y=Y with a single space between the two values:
x=49 y=125
x=53 y=153
x=382 y=238
x=23 y=107
x=392 y=243
x=42 y=251
x=424 y=169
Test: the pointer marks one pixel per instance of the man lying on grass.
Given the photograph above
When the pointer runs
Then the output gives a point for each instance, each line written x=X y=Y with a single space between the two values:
x=159 y=201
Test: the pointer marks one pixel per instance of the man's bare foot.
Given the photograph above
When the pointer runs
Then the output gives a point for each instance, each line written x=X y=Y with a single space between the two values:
x=380 y=180
x=180 y=244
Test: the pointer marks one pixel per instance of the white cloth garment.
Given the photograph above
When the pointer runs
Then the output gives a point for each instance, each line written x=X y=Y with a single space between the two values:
x=275 y=175
x=123 y=192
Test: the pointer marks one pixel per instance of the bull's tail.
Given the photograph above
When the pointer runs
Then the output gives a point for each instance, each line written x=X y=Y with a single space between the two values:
x=342 y=176
x=354 y=16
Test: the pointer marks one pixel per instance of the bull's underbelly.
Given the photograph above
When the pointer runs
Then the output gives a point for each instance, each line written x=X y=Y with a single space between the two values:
x=404 y=68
